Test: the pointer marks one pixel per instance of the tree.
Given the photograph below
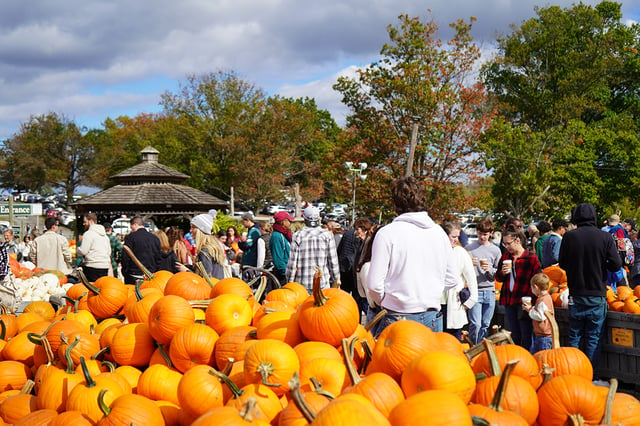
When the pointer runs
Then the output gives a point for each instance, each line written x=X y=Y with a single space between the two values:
x=418 y=79
x=48 y=151
x=565 y=85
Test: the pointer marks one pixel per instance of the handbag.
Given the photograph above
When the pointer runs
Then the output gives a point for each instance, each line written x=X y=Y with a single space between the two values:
x=464 y=295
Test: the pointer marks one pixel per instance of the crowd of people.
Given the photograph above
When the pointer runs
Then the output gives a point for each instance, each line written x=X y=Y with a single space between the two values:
x=413 y=268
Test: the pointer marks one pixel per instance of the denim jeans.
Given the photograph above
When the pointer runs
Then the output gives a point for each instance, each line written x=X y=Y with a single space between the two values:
x=519 y=324
x=541 y=343
x=432 y=319
x=480 y=315
x=587 y=323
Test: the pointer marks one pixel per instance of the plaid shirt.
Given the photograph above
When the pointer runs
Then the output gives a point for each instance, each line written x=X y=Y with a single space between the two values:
x=523 y=269
x=311 y=247
x=4 y=261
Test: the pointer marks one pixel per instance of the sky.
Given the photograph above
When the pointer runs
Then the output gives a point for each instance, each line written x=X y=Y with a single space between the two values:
x=89 y=60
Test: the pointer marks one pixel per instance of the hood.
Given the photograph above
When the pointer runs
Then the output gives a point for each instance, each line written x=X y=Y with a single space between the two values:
x=584 y=215
x=99 y=229
x=420 y=219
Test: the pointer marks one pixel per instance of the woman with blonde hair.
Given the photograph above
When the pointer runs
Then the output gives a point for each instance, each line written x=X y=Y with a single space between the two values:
x=208 y=249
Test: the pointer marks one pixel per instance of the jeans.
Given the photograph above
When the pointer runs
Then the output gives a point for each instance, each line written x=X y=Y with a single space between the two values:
x=541 y=343
x=519 y=324
x=480 y=315
x=587 y=323
x=432 y=319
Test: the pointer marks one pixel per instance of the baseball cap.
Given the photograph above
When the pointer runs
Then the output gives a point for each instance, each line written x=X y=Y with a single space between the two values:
x=311 y=216
x=280 y=216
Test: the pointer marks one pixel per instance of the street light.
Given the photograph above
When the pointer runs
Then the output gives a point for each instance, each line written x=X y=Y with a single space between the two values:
x=357 y=173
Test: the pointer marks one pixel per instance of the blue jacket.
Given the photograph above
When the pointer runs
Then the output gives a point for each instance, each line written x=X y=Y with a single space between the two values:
x=250 y=247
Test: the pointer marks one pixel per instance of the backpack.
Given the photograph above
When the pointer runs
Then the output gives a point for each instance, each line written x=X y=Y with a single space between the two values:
x=625 y=248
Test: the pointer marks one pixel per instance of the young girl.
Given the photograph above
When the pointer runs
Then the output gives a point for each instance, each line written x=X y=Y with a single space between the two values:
x=541 y=326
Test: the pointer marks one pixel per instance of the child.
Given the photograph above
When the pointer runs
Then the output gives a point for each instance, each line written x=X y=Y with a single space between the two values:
x=541 y=326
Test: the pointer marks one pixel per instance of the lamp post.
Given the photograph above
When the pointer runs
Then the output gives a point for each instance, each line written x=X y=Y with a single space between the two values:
x=358 y=172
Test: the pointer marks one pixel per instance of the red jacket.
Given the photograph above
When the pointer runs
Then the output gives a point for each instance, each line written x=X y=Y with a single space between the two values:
x=524 y=268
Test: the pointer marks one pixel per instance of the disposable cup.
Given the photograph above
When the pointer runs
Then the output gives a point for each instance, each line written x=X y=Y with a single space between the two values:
x=483 y=262
x=507 y=263
x=526 y=300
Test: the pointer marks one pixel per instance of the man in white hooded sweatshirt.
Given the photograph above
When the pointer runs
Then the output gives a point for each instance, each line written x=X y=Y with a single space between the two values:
x=95 y=248
x=412 y=261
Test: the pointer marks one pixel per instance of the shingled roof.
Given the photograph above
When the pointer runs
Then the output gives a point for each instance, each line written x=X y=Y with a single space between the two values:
x=149 y=189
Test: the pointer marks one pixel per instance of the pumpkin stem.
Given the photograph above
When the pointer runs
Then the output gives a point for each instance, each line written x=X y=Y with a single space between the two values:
x=165 y=355
x=555 y=332
x=51 y=357
x=101 y=352
x=228 y=366
x=248 y=412
x=298 y=398
x=136 y=289
x=376 y=319
x=261 y=288
x=501 y=390
x=148 y=275
x=608 y=408
x=547 y=373
x=111 y=366
x=103 y=406
x=87 y=376
x=67 y=355
x=319 y=298
x=204 y=274
x=494 y=364
x=36 y=338
x=202 y=303
x=92 y=288
x=266 y=369
x=317 y=388
x=576 y=420
x=3 y=329
x=237 y=392
x=27 y=387
x=368 y=355
x=348 y=362
x=498 y=338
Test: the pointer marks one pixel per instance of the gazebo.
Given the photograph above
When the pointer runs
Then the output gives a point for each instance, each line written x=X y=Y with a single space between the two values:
x=150 y=190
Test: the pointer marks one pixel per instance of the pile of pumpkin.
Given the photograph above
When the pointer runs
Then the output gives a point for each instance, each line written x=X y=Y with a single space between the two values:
x=186 y=350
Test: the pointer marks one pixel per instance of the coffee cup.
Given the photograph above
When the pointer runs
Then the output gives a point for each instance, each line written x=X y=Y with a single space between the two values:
x=483 y=262
x=526 y=300
x=507 y=264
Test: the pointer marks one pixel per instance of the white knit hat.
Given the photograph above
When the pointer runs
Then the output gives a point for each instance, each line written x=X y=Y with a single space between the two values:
x=204 y=222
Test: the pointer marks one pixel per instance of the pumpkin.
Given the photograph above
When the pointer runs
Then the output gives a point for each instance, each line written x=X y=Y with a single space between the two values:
x=188 y=285
x=231 y=416
x=349 y=411
x=42 y=308
x=84 y=396
x=569 y=396
x=271 y=362
x=37 y=417
x=13 y=375
x=327 y=375
x=64 y=327
x=10 y=325
x=270 y=307
x=527 y=368
x=309 y=350
x=285 y=295
x=17 y=406
x=232 y=285
x=137 y=310
x=75 y=418
x=132 y=344
x=563 y=360
x=280 y=326
x=129 y=409
x=328 y=315
x=397 y=345
x=625 y=410
x=86 y=344
x=201 y=389
x=493 y=412
x=230 y=344
x=55 y=387
x=159 y=382
x=107 y=296
x=439 y=370
x=228 y=311
x=192 y=345
x=267 y=407
x=131 y=375
x=303 y=407
x=432 y=407
x=168 y=315
x=20 y=348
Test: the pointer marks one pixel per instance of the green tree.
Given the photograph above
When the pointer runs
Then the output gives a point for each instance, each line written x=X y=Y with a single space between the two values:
x=48 y=151
x=417 y=79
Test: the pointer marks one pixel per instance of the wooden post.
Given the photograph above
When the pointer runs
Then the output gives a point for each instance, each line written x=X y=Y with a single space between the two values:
x=412 y=148
x=232 y=202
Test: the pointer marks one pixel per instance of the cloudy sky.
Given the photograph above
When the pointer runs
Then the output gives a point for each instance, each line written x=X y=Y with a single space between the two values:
x=93 y=59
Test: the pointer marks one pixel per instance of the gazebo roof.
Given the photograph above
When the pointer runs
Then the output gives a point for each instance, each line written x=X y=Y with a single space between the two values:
x=147 y=189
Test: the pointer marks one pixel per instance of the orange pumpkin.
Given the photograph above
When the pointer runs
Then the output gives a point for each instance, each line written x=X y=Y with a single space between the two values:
x=436 y=407
x=132 y=344
x=131 y=409
x=271 y=362
x=107 y=296
x=568 y=395
x=230 y=344
x=168 y=315
x=188 y=285
x=192 y=345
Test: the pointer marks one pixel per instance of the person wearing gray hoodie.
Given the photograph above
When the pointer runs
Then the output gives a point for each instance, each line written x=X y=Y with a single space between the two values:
x=95 y=249
x=586 y=254
x=412 y=261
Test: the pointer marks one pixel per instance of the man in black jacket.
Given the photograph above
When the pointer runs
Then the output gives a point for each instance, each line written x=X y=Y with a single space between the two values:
x=586 y=254
x=145 y=246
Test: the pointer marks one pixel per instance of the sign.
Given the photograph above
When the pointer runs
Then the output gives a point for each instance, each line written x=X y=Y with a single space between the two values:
x=22 y=209
x=622 y=337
